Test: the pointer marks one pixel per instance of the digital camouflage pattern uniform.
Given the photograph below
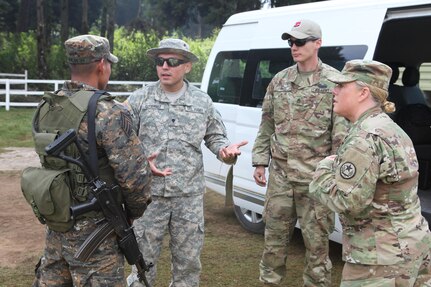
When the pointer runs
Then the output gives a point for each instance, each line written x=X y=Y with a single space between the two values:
x=372 y=183
x=118 y=143
x=176 y=130
x=297 y=130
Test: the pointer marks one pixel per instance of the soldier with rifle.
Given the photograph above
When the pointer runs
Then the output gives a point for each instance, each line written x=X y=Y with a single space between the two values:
x=86 y=247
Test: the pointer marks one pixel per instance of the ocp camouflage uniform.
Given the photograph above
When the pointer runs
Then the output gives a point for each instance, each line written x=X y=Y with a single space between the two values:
x=297 y=130
x=372 y=184
x=176 y=130
x=126 y=157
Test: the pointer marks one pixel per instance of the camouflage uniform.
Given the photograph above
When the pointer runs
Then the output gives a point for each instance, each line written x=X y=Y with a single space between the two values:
x=131 y=170
x=117 y=142
x=372 y=183
x=176 y=130
x=297 y=130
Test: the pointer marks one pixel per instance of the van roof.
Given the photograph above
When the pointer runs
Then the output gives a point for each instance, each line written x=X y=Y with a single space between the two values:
x=320 y=7
x=343 y=23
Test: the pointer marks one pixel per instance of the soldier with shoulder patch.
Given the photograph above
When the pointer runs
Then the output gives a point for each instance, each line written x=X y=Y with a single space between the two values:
x=372 y=183
x=121 y=159
x=297 y=130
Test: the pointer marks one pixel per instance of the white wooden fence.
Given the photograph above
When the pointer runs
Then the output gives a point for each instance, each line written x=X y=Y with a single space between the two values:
x=6 y=89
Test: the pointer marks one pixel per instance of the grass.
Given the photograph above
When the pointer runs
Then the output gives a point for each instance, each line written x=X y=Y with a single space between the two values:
x=15 y=128
x=230 y=256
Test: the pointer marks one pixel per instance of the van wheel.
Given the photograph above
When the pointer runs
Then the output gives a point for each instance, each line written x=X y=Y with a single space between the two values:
x=250 y=220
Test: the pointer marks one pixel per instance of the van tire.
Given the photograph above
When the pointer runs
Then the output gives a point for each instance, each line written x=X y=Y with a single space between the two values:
x=251 y=221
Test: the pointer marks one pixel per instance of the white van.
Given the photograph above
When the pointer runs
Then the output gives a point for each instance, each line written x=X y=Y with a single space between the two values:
x=249 y=51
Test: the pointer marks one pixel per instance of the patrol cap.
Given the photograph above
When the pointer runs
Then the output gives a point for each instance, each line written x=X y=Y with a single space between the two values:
x=372 y=73
x=86 y=49
x=303 y=29
x=175 y=46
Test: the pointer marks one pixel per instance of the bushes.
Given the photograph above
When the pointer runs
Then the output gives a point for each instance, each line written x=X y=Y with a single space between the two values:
x=133 y=64
x=202 y=49
x=19 y=53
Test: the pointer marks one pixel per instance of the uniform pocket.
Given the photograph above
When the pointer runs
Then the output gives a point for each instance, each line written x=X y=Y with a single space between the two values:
x=49 y=195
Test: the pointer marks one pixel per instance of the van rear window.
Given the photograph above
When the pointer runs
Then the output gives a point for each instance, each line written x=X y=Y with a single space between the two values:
x=241 y=77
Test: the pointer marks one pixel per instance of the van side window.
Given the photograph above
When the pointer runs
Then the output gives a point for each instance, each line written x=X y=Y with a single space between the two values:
x=425 y=81
x=241 y=77
x=266 y=70
x=227 y=76
x=338 y=56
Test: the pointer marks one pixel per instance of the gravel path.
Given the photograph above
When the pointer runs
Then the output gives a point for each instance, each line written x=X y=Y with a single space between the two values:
x=18 y=158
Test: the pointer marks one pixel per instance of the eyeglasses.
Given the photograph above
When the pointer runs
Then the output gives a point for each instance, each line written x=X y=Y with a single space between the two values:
x=172 y=62
x=300 y=42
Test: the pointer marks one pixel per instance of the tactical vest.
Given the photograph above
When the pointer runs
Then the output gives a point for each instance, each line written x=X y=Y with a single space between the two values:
x=52 y=189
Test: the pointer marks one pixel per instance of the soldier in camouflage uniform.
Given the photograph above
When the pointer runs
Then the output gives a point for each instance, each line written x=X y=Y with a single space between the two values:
x=297 y=130
x=372 y=183
x=120 y=152
x=173 y=118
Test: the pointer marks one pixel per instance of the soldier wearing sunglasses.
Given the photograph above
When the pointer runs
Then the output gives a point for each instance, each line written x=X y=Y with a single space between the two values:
x=297 y=130
x=172 y=118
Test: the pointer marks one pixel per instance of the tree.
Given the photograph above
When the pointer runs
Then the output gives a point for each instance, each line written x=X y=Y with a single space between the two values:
x=41 y=40
x=23 y=16
x=280 y=3
x=195 y=18
x=108 y=21
x=64 y=16
x=214 y=12
x=84 y=18
x=8 y=11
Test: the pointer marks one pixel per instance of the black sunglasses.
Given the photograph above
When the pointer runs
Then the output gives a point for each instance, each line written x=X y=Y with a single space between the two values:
x=172 y=62
x=300 y=42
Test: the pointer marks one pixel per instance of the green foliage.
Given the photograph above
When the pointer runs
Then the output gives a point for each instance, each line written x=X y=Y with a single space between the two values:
x=19 y=52
x=134 y=65
x=202 y=49
x=131 y=48
x=58 y=67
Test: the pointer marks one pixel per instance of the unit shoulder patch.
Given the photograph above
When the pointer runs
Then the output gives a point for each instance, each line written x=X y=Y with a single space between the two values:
x=347 y=170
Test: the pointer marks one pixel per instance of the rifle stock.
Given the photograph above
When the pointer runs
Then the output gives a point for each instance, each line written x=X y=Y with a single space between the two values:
x=105 y=199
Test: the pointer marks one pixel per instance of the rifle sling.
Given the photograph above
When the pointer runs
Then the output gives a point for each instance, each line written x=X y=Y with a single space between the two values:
x=92 y=104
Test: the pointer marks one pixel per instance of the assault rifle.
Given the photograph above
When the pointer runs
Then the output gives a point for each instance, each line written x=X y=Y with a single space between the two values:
x=105 y=200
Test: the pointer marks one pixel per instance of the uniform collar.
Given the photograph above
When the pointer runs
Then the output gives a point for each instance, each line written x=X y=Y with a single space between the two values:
x=76 y=86
x=370 y=112
x=315 y=77
x=183 y=100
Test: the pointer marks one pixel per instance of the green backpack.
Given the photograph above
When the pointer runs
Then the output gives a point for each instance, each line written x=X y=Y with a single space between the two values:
x=53 y=188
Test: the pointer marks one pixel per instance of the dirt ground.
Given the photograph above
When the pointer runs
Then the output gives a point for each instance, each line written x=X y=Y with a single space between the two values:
x=21 y=234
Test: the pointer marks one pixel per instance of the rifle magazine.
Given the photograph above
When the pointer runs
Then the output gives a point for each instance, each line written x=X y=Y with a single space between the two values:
x=93 y=241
